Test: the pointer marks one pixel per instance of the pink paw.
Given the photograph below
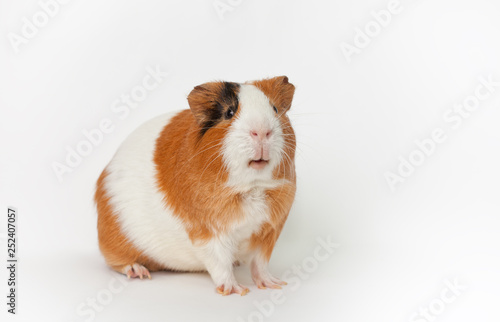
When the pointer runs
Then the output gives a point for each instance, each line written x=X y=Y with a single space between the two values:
x=136 y=270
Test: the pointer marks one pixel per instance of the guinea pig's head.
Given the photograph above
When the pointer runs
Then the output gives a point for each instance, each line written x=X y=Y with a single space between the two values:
x=257 y=138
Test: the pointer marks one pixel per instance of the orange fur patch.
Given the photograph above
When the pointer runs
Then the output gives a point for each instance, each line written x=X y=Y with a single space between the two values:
x=206 y=95
x=191 y=175
x=278 y=90
x=280 y=201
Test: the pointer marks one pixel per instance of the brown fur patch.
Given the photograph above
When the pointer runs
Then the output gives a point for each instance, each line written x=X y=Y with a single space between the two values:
x=210 y=102
x=191 y=175
x=278 y=90
x=280 y=201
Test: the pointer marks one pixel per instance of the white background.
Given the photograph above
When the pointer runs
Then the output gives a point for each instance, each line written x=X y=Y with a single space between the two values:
x=353 y=120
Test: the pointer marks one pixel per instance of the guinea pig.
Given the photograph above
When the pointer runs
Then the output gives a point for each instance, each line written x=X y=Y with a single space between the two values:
x=203 y=188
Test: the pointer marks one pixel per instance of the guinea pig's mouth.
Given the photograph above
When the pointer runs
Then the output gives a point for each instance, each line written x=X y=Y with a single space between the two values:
x=258 y=164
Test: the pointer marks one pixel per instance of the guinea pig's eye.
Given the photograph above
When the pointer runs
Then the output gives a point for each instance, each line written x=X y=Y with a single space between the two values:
x=229 y=113
x=275 y=109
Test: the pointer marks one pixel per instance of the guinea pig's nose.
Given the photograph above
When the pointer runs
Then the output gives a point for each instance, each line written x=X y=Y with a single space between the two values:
x=260 y=134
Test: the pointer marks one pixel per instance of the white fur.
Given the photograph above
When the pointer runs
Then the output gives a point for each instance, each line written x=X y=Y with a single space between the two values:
x=151 y=226
x=239 y=148
x=143 y=216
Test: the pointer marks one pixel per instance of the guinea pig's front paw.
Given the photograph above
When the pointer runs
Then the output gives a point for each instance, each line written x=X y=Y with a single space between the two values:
x=268 y=282
x=227 y=289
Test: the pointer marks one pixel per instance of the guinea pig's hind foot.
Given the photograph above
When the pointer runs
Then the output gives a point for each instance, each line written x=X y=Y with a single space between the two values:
x=136 y=270
x=230 y=289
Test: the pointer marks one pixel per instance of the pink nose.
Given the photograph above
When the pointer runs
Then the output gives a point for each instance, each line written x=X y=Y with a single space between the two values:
x=260 y=134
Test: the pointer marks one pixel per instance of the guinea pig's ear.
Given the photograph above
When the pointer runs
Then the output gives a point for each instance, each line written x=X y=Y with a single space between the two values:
x=209 y=101
x=278 y=90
